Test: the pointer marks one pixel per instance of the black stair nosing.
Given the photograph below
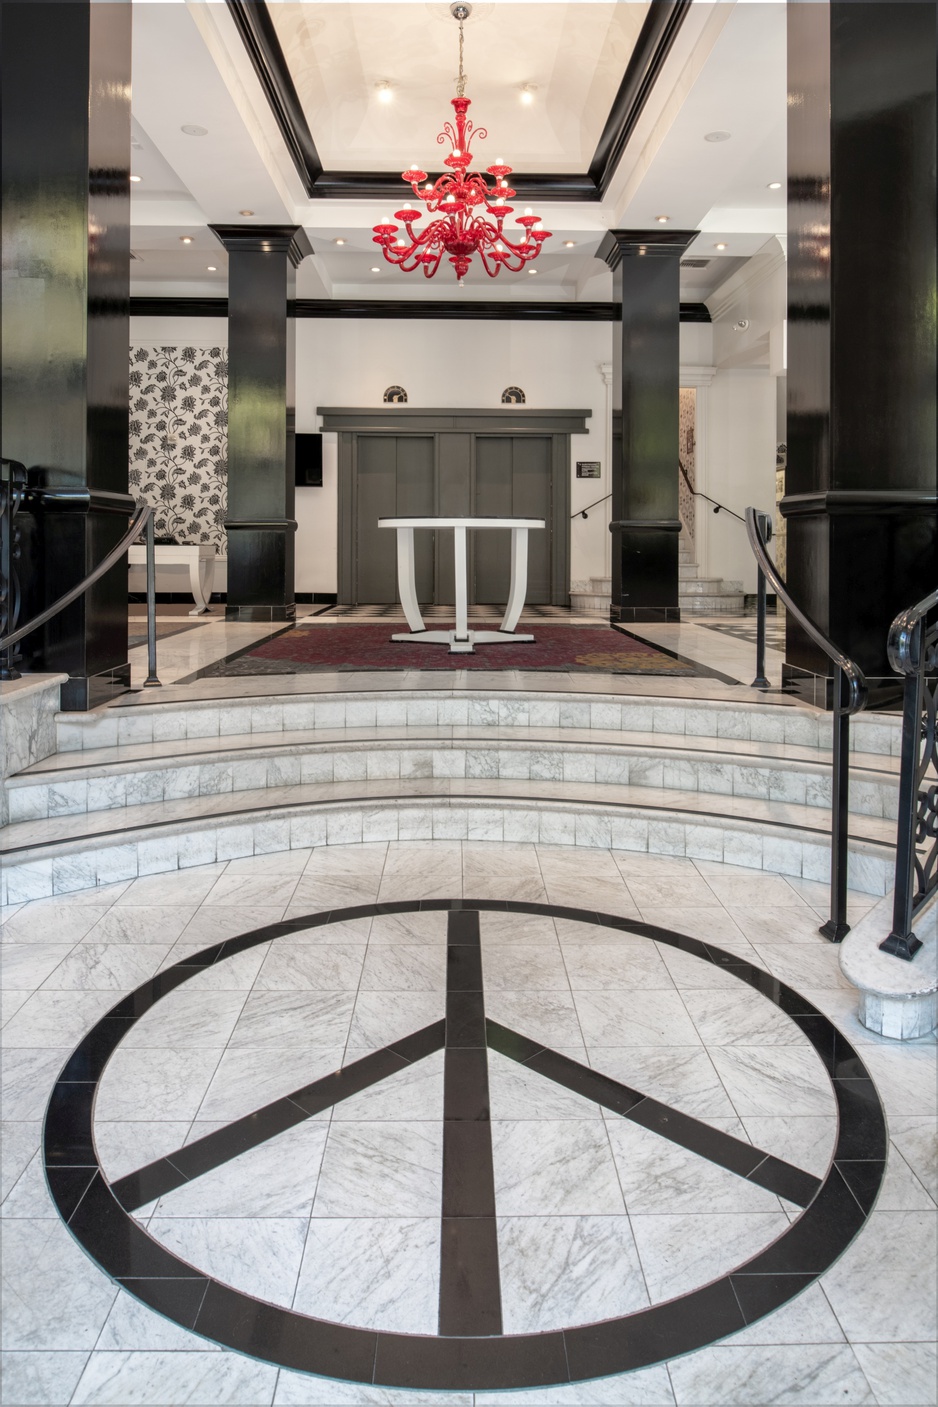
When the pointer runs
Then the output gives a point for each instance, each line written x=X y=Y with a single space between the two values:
x=501 y=801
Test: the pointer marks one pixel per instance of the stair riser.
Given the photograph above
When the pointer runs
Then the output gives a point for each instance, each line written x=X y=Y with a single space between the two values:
x=64 y=868
x=148 y=783
x=712 y=605
x=709 y=586
x=172 y=722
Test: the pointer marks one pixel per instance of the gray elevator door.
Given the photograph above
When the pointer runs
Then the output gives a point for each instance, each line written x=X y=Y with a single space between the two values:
x=395 y=480
x=512 y=480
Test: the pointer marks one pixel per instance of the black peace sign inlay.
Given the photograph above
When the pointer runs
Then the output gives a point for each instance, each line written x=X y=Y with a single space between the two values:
x=470 y=1350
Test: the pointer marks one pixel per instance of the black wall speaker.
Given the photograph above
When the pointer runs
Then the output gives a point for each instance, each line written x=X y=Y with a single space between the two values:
x=309 y=461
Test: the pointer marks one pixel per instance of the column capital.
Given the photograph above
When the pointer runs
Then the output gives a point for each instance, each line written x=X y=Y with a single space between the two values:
x=626 y=244
x=291 y=240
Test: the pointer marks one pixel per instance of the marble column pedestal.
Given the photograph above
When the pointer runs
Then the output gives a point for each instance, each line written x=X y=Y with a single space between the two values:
x=897 y=998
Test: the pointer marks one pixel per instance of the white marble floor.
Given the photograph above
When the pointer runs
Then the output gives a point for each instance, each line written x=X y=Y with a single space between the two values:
x=339 y=1217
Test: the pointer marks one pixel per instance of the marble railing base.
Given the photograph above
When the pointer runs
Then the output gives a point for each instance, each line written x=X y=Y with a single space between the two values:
x=898 y=999
x=120 y=856
x=28 y=710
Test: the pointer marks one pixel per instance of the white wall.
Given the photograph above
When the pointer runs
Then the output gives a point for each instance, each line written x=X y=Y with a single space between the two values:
x=349 y=362
x=739 y=469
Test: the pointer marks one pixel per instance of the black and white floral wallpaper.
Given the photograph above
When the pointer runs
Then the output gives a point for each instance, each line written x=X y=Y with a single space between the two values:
x=179 y=440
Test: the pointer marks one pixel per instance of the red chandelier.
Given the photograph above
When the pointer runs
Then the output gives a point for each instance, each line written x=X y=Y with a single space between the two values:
x=470 y=213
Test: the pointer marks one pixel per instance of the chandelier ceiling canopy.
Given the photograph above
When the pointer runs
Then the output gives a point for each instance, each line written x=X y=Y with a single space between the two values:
x=469 y=212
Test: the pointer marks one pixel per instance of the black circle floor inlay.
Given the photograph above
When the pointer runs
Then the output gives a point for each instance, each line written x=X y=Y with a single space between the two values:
x=470 y=1351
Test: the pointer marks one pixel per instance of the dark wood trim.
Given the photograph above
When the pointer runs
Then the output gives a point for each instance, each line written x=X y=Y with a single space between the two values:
x=827 y=501
x=259 y=37
x=291 y=240
x=396 y=308
x=500 y=420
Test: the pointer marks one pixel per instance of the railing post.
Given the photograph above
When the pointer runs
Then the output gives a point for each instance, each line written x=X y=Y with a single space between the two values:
x=836 y=928
x=902 y=942
x=760 y=681
x=152 y=680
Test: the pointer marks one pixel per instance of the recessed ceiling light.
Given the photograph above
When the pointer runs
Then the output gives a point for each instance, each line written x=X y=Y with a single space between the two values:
x=376 y=271
x=532 y=271
x=717 y=136
x=775 y=185
x=245 y=212
x=569 y=244
x=719 y=246
x=191 y=130
x=185 y=239
x=136 y=178
x=338 y=241
x=527 y=93
x=385 y=91
x=662 y=219
x=212 y=269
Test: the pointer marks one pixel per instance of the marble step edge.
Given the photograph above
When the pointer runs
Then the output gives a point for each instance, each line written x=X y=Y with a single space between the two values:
x=149 y=721
x=709 y=586
x=33 y=798
x=157 y=849
x=78 y=763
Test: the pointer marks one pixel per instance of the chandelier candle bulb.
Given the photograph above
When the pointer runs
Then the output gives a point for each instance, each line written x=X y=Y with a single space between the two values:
x=465 y=227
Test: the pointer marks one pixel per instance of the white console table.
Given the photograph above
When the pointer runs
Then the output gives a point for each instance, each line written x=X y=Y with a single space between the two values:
x=199 y=558
x=462 y=640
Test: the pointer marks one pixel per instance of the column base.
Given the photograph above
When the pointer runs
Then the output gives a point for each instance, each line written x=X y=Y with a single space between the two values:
x=261 y=613
x=82 y=692
x=645 y=614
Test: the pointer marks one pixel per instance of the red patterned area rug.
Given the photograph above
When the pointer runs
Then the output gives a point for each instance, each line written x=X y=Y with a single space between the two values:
x=587 y=649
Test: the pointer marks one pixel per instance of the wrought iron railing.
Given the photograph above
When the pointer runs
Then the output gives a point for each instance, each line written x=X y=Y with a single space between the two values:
x=141 y=522
x=699 y=493
x=585 y=512
x=850 y=696
x=913 y=652
x=13 y=486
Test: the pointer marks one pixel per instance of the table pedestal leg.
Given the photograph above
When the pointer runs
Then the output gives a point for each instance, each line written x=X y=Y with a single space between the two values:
x=201 y=577
x=462 y=595
x=407 y=581
x=519 y=579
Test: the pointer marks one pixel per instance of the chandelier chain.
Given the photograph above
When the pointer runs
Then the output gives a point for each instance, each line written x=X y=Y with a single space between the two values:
x=461 y=80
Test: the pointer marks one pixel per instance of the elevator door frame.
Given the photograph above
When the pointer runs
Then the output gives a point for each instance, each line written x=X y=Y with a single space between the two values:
x=511 y=421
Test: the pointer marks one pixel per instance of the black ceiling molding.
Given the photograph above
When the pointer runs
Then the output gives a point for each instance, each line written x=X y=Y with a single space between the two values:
x=391 y=308
x=259 y=36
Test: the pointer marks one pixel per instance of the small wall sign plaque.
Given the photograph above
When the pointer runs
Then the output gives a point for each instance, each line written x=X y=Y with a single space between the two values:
x=588 y=469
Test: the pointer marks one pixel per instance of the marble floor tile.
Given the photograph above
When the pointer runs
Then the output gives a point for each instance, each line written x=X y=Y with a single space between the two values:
x=416 y=1092
x=186 y=887
x=154 y=1085
x=107 y=966
x=280 y=862
x=517 y=1092
x=741 y=1016
x=806 y=1140
x=682 y=1250
x=599 y=966
x=56 y=1300
x=605 y=897
x=524 y=967
x=521 y=928
x=784 y=1080
x=763 y=923
x=52 y=1019
x=247 y=1079
x=907 y=1079
x=259 y=1255
x=127 y=1144
x=808 y=1318
x=217 y=922
x=132 y=1325
x=408 y=928
x=40 y=1379
x=19 y=1143
x=737 y=891
x=557 y=1271
x=29 y=1197
x=810 y=1375
x=683 y=1076
x=27 y=965
x=381 y=1169
x=901 y=1190
x=634 y=1017
x=644 y=866
x=916 y=1137
x=187 y=1019
x=322 y=967
x=900 y=1374
x=275 y=1179
x=709 y=925
x=412 y=874
x=404 y=967
x=801 y=965
x=380 y=1273
x=382 y=1017
x=10 y=1003
x=252 y=890
x=304 y=1390
x=659 y=1176
x=645 y=1387
x=202 y=1378
x=690 y=973
x=883 y=1287
x=293 y=1018
x=141 y=924
x=678 y=891
x=237 y=973
x=52 y=921
x=554 y=1168
x=502 y=872
x=28 y=1077
x=550 y=1017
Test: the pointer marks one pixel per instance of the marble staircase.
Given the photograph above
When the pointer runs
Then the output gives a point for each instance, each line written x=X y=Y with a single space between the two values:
x=708 y=596
x=145 y=786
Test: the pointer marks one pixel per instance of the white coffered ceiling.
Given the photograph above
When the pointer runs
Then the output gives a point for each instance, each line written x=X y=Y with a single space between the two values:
x=725 y=72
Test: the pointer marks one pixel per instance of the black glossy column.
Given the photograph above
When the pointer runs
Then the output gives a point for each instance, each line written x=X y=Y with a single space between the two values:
x=860 y=498
x=262 y=264
x=645 y=407
x=66 y=286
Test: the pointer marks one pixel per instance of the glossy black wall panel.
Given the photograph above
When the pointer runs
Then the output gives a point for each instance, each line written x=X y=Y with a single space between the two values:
x=861 y=480
x=646 y=393
x=66 y=155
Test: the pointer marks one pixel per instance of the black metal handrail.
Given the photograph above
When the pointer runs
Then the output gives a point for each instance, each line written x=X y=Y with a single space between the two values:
x=913 y=651
x=699 y=493
x=850 y=695
x=585 y=512
x=141 y=522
